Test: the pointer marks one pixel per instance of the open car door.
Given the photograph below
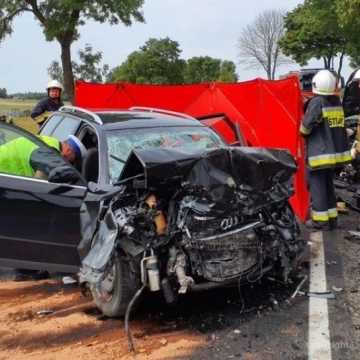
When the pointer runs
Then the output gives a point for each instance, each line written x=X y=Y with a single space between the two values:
x=223 y=126
x=39 y=219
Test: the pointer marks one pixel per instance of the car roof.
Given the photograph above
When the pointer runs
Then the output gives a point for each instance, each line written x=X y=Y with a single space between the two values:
x=132 y=119
x=128 y=119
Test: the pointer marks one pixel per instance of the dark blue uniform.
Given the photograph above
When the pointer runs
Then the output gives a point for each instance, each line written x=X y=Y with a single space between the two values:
x=44 y=105
x=327 y=147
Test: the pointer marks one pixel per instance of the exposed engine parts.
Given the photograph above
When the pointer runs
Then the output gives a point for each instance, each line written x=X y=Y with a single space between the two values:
x=200 y=221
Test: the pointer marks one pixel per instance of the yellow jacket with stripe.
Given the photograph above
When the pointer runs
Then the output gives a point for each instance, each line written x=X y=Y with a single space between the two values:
x=324 y=129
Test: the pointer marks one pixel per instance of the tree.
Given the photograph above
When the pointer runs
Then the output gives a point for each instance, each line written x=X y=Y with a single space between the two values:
x=202 y=69
x=60 y=21
x=227 y=72
x=3 y=93
x=349 y=21
x=88 y=69
x=205 y=68
x=313 y=31
x=157 y=62
x=55 y=71
x=259 y=42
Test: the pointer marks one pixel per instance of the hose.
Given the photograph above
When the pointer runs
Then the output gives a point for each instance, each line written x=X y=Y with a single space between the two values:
x=127 y=317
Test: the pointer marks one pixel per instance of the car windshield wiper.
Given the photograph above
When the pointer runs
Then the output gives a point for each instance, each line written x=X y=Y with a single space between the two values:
x=117 y=158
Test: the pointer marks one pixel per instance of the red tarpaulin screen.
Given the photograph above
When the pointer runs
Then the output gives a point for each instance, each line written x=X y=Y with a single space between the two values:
x=268 y=112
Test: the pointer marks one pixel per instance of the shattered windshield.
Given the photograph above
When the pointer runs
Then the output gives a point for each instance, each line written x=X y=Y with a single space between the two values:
x=120 y=143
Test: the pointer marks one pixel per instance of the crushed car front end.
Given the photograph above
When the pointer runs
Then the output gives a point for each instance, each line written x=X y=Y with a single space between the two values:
x=182 y=221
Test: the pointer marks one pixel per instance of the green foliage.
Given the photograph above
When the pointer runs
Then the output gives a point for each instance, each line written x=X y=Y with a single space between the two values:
x=313 y=31
x=3 y=93
x=157 y=62
x=205 y=68
x=55 y=71
x=89 y=68
x=348 y=14
x=202 y=69
x=30 y=95
x=60 y=20
x=227 y=72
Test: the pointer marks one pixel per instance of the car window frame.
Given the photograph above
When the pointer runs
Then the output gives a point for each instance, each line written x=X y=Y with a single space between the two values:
x=64 y=117
x=48 y=121
x=103 y=178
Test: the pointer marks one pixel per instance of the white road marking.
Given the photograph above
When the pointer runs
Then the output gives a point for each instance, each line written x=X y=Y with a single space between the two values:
x=319 y=334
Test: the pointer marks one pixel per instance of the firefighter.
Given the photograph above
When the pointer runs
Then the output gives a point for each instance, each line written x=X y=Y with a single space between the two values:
x=52 y=103
x=327 y=147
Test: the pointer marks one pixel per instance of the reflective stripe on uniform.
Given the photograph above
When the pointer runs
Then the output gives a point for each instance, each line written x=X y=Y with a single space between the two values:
x=330 y=159
x=333 y=109
x=334 y=115
x=319 y=215
x=323 y=92
x=324 y=215
x=333 y=213
x=304 y=130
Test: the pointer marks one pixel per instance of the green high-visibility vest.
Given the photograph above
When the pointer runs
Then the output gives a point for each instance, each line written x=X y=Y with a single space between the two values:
x=15 y=155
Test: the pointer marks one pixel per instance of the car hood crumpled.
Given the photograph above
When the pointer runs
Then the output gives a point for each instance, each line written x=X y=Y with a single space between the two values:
x=217 y=171
x=243 y=177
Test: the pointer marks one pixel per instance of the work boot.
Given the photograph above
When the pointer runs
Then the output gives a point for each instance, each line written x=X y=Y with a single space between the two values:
x=317 y=225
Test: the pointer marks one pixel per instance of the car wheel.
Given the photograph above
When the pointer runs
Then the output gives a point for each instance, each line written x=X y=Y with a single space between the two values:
x=120 y=284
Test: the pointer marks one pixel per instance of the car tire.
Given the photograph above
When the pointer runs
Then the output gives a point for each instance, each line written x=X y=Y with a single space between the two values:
x=112 y=299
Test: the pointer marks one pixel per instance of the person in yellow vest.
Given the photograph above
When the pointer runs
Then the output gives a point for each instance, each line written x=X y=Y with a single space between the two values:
x=327 y=147
x=23 y=157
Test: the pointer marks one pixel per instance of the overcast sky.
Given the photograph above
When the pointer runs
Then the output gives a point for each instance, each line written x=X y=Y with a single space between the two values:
x=202 y=27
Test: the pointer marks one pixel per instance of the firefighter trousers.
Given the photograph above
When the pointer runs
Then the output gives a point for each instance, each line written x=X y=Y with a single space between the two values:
x=323 y=198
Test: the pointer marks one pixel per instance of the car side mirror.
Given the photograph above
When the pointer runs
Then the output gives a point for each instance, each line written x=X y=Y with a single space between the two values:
x=65 y=174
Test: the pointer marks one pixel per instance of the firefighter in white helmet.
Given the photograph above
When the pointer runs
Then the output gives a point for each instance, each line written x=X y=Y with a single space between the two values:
x=327 y=147
x=51 y=103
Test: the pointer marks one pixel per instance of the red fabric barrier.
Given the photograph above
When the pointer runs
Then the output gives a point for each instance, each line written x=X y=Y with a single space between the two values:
x=268 y=112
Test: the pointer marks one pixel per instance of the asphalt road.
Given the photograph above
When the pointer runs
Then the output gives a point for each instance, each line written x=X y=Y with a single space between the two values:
x=261 y=321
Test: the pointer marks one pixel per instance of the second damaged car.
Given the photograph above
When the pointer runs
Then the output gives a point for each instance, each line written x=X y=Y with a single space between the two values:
x=161 y=203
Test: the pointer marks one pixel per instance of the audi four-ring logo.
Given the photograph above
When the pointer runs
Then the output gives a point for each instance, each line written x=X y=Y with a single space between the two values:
x=229 y=222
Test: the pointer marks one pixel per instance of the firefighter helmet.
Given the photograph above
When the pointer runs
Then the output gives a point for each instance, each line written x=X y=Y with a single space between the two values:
x=54 y=84
x=324 y=83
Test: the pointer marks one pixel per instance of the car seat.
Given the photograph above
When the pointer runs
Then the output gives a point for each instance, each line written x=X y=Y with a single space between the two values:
x=90 y=166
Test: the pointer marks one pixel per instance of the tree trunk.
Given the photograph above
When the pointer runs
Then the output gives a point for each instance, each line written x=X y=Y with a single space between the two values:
x=341 y=61
x=67 y=69
x=273 y=73
x=327 y=62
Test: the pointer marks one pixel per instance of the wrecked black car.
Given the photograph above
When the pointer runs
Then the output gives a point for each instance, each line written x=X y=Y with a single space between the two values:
x=161 y=202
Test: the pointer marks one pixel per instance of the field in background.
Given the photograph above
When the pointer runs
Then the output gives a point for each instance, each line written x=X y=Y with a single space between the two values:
x=15 y=105
x=19 y=111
